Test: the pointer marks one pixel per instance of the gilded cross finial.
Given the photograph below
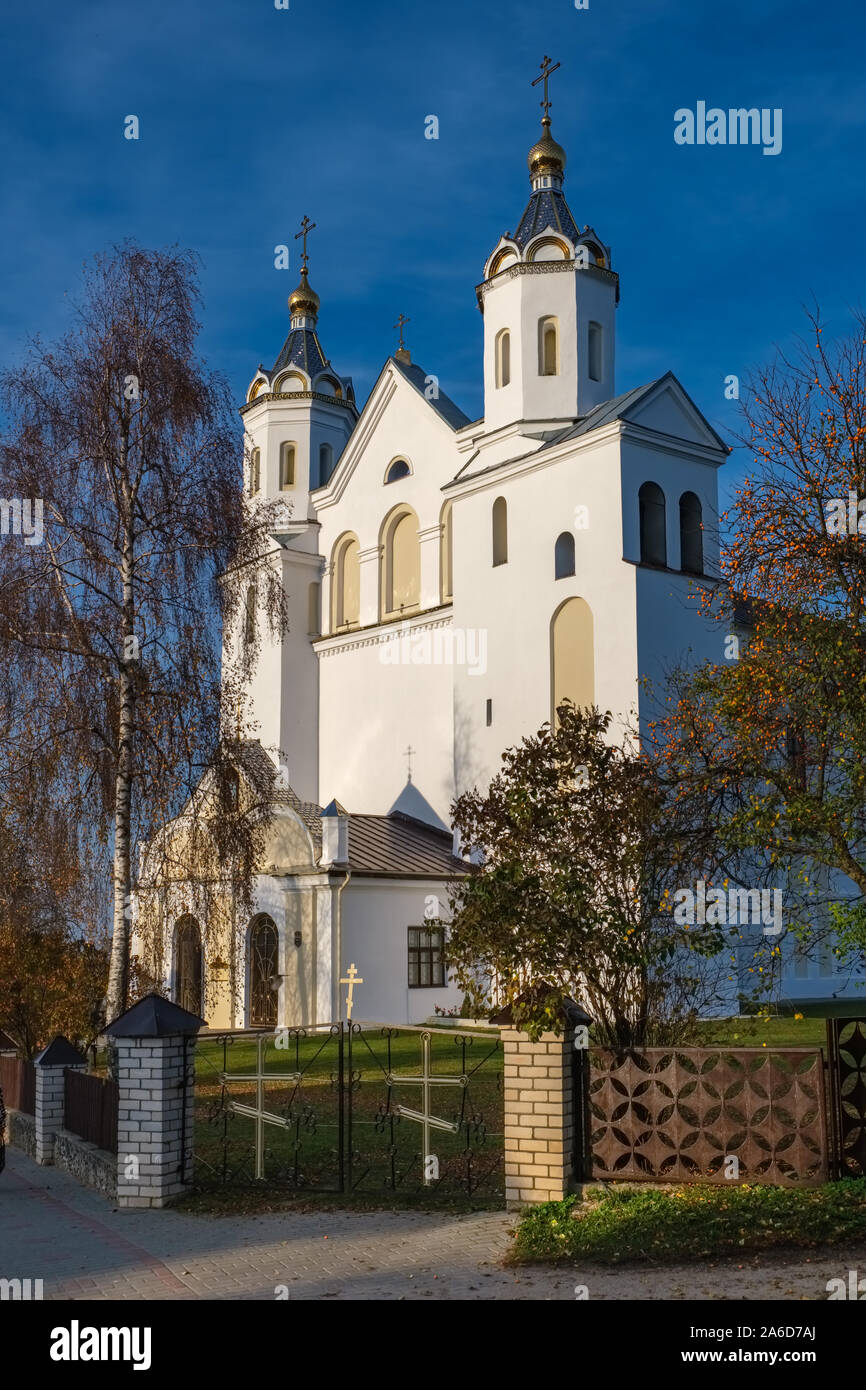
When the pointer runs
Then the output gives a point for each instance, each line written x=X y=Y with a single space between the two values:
x=547 y=67
x=351 y=979
x=306 y=227
x=401 y=322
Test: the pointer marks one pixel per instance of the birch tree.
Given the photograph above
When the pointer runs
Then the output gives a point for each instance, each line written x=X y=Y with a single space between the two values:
x=125 y=443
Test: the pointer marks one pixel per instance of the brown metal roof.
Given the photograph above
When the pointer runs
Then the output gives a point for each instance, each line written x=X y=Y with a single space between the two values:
x=398 y=847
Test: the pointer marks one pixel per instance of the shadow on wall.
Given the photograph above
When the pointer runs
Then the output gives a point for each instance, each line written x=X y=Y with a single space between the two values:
x=411 y=802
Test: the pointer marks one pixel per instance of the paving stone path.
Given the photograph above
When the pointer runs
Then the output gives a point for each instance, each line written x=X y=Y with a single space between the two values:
x=73 y=1239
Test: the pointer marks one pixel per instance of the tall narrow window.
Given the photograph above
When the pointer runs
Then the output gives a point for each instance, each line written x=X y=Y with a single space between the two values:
x=595 y=347
x=503 y=357
x=287 y=467
x=250 y=616
x=255 y=471
x=326 y=463
x=263 y=976
x=548 y=347
x=401 y=577
x=572 y=656
x=346 y=606
x=188 y=965
x=653 y=540
x=563 y=555
x=445 y=556
x=691 y=534
x=500 y=531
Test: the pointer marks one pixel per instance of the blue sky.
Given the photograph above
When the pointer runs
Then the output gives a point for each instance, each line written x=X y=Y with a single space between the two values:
x=252 y=116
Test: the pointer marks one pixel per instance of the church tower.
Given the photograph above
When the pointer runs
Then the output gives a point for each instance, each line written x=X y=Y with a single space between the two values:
x=297 y=419
x=549 y=301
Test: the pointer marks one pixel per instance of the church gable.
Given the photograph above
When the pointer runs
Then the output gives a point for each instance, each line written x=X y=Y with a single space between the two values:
x=406 y=419
x=667 y=409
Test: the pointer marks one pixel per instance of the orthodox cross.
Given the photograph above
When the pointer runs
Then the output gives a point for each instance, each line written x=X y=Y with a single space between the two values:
x=352 y=979
x=423 y=1117
x=306 y=227
x=546 y=70
x=259 y=1112
x=402 y=320
x=409 y=751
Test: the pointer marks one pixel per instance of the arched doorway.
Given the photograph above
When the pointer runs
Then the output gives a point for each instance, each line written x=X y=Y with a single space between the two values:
x=263 y=973
x=188 y=966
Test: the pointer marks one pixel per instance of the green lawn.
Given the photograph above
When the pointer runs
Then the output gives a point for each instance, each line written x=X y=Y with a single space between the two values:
x=756 y=1032
x=690 y=1222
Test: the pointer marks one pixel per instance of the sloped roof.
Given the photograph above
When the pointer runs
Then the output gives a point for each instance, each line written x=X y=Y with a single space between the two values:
x=619 y=407
x=154 y=1017
x=443 y=405
x=396 y=846
x=546 y=208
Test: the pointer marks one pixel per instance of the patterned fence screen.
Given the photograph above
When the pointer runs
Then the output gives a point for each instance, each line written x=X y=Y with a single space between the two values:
x=669 y=1115
x=847 y=1038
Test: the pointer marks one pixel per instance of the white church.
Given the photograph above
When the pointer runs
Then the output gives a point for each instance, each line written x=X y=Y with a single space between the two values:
x=450 y=581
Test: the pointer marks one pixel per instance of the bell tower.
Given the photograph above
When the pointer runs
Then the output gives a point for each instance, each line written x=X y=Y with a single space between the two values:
x=297 y=419
x=549 y=300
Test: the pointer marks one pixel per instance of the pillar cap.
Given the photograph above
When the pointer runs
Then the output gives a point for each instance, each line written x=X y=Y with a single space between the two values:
x=569 y=1012
x=154 y=1017
x=60 y=1053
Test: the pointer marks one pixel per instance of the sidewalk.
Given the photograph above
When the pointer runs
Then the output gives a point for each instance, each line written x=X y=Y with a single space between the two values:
x=71 y=1238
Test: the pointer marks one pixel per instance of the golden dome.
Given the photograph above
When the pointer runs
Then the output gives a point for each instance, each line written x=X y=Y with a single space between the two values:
x=303 y=300
x=546 y=156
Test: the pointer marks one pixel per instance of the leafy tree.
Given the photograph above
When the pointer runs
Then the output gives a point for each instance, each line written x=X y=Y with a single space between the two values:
x=110 y=622
x=774 y=735
x=579 y=848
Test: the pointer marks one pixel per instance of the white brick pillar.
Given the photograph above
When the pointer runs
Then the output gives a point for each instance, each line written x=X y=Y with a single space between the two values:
x=50 y=1065
x=154 y=1067
x=545 y=1096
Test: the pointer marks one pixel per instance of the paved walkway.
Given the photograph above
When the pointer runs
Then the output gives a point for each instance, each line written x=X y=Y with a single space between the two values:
x=73 y=1239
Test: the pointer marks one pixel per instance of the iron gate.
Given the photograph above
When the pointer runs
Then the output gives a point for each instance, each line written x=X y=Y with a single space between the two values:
x=352 y=1107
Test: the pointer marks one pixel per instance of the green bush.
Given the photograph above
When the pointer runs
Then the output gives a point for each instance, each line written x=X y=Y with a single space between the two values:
x=690 y=1222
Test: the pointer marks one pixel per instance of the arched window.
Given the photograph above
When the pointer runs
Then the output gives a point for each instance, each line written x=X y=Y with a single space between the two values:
x=314 y=619
x=397 y=470
x=188 y=974
x=250 y=616
x=572 y=656
x=653 y=539
x=503 y=357
x=548 y=347
x=595 y=352
x=401 y=564
x=255 y=471
x=563 y=555
x=287 y=466
x=500 y=531
x=346 y=584
x=263 y=973
x=446 y=556
x=691 y=534
x=326 y=462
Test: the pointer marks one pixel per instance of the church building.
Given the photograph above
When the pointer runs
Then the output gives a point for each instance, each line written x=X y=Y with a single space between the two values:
x=450 y=582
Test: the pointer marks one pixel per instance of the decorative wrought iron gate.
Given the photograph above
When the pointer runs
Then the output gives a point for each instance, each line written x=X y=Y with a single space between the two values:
x=352 y=1108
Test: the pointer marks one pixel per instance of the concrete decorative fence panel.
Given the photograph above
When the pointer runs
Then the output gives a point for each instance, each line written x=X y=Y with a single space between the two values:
x=709 y=1115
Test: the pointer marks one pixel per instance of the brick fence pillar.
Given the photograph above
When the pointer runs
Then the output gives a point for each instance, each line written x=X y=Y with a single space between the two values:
x=544 y=1120
x=154 y=1050
x=50 y=1065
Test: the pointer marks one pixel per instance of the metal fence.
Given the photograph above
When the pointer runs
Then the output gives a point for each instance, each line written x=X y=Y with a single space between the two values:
x=18 y=1084
x=90 y=1108
x=709 y=1114
x=352 y=1107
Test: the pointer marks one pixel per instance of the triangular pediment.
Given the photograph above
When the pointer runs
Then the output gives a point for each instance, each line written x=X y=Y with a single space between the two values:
x=666 y=408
